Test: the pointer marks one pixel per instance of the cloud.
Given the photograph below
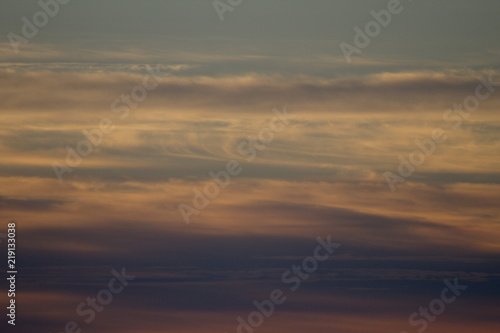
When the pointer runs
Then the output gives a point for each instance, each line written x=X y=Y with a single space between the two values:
x=60 y=92
x=28 y=204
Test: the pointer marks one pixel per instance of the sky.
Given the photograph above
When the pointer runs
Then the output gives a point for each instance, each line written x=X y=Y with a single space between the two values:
x=180 y=161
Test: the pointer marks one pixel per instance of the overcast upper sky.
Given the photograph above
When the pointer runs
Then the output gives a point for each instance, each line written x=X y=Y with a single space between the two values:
x=281 y=36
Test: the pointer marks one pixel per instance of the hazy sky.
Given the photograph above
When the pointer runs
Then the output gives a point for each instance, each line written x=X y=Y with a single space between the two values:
x=212 y=88
x=278 y=37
